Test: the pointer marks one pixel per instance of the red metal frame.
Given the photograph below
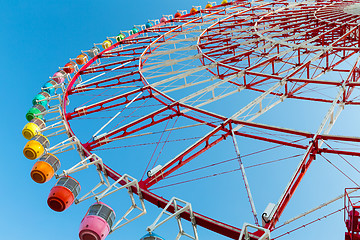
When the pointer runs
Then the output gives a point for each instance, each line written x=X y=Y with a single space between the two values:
x=351 y=214
x=213 y=51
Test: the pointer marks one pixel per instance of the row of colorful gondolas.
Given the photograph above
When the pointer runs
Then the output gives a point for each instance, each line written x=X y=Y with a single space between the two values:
x=99 y=219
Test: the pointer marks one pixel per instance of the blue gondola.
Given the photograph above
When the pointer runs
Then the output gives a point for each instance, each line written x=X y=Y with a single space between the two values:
x=152 y=236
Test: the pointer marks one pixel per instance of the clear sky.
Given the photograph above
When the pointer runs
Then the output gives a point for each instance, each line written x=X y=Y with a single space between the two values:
x=39 y=36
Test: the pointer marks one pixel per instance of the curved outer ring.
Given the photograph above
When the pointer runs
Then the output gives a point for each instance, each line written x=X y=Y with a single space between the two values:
x=201 y=220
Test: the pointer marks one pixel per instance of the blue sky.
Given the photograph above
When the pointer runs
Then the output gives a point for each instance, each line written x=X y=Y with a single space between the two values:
x=39 y=36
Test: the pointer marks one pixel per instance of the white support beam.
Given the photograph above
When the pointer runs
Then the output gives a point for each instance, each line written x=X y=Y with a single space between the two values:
x=130 y=183
x=243 y=173
x=177 y=211
x=245 y=235
x=168 y=63
x=174 y=50
x=318 y=207
x=58 y=125
x=64 y=146
x=83 y=164
x=117 y=114
x=80 y=84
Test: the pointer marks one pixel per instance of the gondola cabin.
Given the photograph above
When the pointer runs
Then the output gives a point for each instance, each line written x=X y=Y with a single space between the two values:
x=152 y=236
x=106 y=44
x=69 y=67
x=93 y=52
x=148 y=25
x=59 y=76
x=35 y=111
x=135 y=30
x=120 y=37
x=33 y=128
x=41 y=98
x=63 y=194
x=193 y=10
x=45 y=168
x=97 y=223
x=81 y=59
x=35 y=148
x=50 y=87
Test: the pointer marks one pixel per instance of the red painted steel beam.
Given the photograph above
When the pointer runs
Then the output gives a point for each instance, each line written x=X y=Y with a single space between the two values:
x=181 y=159
x=339 y=152
x=124 y=51
x=104 y=67
x=251 y=124
x=106 y=83
x=204 y=144
x=164 y=29
x=125 y=130
x=339 y=138
x=310 y=156
x=296 y=97
x=100 y=106
x=218 y=41
x=271 y=140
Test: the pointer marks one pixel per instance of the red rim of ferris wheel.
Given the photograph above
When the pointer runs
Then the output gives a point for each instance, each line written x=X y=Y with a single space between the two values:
x=226 y=127
x=201 y=220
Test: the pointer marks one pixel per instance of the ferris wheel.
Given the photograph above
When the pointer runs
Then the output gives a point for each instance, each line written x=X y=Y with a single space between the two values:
x=222 y=116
